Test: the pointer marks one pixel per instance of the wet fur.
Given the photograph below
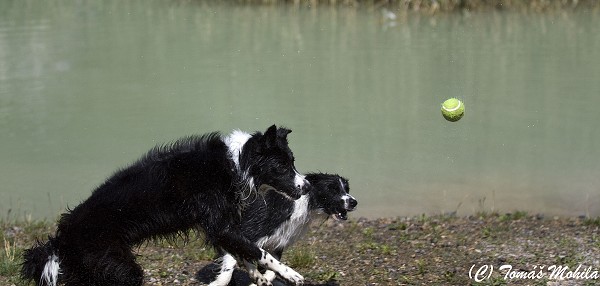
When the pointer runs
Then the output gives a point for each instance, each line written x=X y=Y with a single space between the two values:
x=275 y=221
x=192 y=184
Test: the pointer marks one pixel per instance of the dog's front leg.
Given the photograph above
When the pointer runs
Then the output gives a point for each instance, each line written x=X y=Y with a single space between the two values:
x=285 y=272
x=227 y=263
x=270 y=275
x=242 y=248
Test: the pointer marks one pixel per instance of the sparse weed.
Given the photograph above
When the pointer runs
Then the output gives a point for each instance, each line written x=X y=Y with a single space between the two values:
x=368 y=233
x=300 y=258
x=8 y=263
x=517 y=215
x=592 y=222
x=328 y=276
x=421 y=266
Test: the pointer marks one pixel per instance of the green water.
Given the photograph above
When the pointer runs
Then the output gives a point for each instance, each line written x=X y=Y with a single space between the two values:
x=86 y=87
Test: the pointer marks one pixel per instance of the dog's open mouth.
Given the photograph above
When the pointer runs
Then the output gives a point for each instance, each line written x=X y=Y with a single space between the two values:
x=341 y=216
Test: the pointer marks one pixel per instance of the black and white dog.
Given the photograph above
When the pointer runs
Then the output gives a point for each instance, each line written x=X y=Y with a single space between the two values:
x=274 y=220
x=198 y=183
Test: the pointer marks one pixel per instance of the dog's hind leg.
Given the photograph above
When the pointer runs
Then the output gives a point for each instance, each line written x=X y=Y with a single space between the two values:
x=115 y=269
x=126 y=274
x=228 y=263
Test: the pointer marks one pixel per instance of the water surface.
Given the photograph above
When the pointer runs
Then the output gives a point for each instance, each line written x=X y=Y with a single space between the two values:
x=86 y=87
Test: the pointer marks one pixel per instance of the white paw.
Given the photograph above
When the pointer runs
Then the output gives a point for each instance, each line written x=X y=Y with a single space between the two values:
x=292 y=276
x=228 y=264
x=262 y=281
x=270 y=275
x=256 y=276
x=269 y=262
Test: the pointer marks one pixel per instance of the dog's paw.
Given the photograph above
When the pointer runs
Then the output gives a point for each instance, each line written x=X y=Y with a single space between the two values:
x=262 y=281
x=270 y=275
x=291 y=276
x=269 y=262
x=258 y=278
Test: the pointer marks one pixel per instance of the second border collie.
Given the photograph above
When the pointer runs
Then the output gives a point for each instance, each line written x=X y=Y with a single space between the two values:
x=199 y=183
x=275 y=221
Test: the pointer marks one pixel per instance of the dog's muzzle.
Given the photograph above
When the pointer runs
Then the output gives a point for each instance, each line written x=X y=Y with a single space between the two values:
x=350 y=204
x=302 y=184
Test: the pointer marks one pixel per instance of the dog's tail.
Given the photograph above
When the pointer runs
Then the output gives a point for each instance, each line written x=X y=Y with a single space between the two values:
x=41 y=263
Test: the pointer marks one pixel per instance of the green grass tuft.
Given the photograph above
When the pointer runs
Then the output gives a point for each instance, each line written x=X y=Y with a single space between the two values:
x=9 y=259
x=592 y=222
x=301 y=258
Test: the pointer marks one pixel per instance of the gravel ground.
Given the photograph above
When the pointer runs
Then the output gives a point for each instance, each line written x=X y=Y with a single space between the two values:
x=415 y=251
x=437 y=250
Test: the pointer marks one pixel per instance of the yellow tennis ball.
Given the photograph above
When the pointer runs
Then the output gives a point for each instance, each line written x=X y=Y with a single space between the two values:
x=453 y=109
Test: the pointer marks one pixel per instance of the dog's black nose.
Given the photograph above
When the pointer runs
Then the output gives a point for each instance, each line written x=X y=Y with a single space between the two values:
x=305 y=186
x=350 y=202
x=301 y=183
x=353 y=203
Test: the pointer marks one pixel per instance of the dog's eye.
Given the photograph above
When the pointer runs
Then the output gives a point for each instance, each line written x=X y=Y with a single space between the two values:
x=279 y=170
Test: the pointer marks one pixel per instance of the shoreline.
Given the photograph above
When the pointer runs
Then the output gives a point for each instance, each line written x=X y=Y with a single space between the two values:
x=437 y=6
x=420 y=250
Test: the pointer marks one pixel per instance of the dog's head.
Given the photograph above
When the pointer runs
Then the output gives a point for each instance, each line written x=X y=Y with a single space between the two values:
x=267 y=159
x=331 y=195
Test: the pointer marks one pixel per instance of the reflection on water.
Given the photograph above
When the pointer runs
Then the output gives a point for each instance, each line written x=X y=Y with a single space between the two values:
x=88 y=87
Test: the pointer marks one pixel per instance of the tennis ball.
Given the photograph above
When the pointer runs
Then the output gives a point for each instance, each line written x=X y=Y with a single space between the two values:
x=453 y=109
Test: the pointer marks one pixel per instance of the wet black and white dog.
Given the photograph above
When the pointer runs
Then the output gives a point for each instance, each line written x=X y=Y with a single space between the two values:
x=196 y=183
x=274 y=220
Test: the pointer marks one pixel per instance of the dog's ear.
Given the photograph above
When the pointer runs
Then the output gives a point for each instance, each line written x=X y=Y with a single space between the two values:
x=270 y=136
x=271 y=131
x=275 y=136
x=283 y=132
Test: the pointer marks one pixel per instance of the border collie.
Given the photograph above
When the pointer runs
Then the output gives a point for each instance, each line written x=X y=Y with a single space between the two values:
x=275 y=221
x=198 y=183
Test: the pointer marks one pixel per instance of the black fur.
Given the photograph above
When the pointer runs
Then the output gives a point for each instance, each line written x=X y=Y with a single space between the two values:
x=325 y=195
x=328 y=195
x=271 y=210
x=192 y=184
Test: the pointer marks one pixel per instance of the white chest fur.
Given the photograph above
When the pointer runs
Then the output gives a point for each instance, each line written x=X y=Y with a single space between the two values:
x=291 y=229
